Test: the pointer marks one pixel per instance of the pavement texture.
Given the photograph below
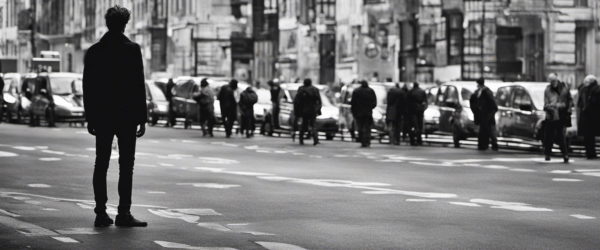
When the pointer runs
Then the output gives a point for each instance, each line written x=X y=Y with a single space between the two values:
x=271 y=193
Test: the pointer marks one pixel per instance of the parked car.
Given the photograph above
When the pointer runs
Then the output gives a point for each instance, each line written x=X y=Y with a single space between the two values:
x=456 y=116
x=431 y=116
x=327 y=122
x=346 y=120
x=58 y=97
x=11 y=94
x=263 y=104
x=158 y=106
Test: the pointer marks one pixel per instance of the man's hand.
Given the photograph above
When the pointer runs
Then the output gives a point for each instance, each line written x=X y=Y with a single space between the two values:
x=91 y=129
x=141 y=131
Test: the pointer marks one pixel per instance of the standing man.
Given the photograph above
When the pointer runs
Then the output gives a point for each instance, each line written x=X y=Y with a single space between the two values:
x=2 y=98
x=276 y=95
x=557 y=104
x=247 y=100
x=362 y=104
x=206 y=100
x=589 y=114
x=308 y=99
x=169 y=96
x=416 y=102
x=229 y=96
x=484 y=111
x=394 y=113
x=115 y=63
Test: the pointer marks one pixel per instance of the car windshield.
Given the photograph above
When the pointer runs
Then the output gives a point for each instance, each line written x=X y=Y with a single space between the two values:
x=64 y=85
x=157 y=94
x=77 y=87
x=380 y=93
x=538 y=98
x=264 y=96
x=7 y=83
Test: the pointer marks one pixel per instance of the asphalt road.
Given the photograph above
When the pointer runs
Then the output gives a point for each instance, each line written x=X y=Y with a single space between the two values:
x=270 y=193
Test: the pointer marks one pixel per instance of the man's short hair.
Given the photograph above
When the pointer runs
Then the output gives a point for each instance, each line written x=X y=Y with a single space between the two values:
x=480 y=81
x=117 y=17
x=307 y=81
x=552 y=77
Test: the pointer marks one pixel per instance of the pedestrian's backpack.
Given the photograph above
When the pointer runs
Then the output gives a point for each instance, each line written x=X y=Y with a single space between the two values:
x=252 y=98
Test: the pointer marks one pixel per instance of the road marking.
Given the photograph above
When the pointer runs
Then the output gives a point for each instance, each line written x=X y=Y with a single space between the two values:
x=25 y=228
x=39 y=185
x=210 y=185
x=50 y=159
x=238 y=224
x=468 y=204
x=86 y=231
x=180 y=156
x=245 y=173
x=24 y=148
x=156 y=192
x=522 y=170
x=146 y=165
x=7 y=154
x=592 y=174
x=53 y=152
x=9 y=213
x=583 y=217
x=494 y=167
x=41 y=147
x=90 y=149
x=214 y=226
x=419 y=200
x=263 y=151
x=166 y=164
x=20 y=198
x=66 y=239
x=49 y=209
x=560 y=171
x=188 y=141
x=299 y=153
x=188 y=215
x=212 y=160
x=167 y=244
x=33 y=202
x=85 y=206
x=471 y=164
x=566 y=180
x=441 y=164
x=196 y=211
x=225 y=144
x=587 y=170
x=278 y=246
x=515 y=206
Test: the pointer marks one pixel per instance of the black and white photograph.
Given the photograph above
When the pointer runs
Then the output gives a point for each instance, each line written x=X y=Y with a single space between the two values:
x=299 y=124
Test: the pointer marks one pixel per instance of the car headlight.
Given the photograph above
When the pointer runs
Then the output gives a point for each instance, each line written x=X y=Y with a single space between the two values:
x=60 y=101
x=162 y=108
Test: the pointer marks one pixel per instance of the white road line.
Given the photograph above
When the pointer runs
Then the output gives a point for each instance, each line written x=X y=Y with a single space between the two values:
x=167 y=244
x=66 y=239
x=53 y=152
x=156 y=192
x=39 y=185
x=561 y=171
x=587 y=170
x=49 y=209
x=50 y=159
x=566 y=180
x=592 y=174
x=24 y=148
x=212 y=160
x=583 y=217
x=86 y=231
x=33 y=202
x=166 y=164
x=196 y=211
x=467 y=204
x=25 y=228
x=210 y=185
x=9 y=213
x=41 y=147
x=522 y=170
x=7 y=154
x=214 y=226
x=278 y=246
x=419 y=200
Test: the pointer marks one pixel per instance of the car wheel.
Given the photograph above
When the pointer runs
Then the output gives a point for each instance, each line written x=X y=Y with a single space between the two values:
x=456 y=137
x=329 y=136
x=154 y=120
x=51 y=117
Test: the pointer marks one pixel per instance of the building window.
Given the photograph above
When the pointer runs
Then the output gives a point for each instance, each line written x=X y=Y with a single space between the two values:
x=580 y=44
x=326 y=7
x=454 y=36
x=581 y=3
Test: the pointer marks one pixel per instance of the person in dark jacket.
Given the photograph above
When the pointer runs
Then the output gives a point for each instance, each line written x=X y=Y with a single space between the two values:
x=588 y=105
x=115 y=63
x=169 y=95
x=362 y=104
x=276 y=95
x=416 y=104
x=228 y=97
x=205 y=97
x=2 y=98
x=557 y=104
x=396 y=105
x=307 y=105
x=484 y=109
x=247 y=100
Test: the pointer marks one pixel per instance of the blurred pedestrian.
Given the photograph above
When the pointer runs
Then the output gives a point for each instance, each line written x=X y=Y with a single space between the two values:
x=557 y=104
x=247 y=100
x=2 y=98
x=416 y=104
x=205 y=98
x=115 y=63
x=484 y=110
x=169 y=95
x=276 y=95
x=228 y=97
x=396 y=105
x=405 y=124
x=362 y=104
x=308 y=101
x=589 y=111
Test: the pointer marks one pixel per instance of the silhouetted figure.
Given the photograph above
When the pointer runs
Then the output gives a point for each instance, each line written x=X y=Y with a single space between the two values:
x=205 y=98
x=276 y=95
x=2 y=98
x=115 y=104
x=416 y=101
x=247 y=100
x=362 y=104
x=169 y=95
x=405 y=123
x=396 y=106
x=557 y=104
x=228 y=97
x=308 y=101
x=588 y=105
x=484 y=109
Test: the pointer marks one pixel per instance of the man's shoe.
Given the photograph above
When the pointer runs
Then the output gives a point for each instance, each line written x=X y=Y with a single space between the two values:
x=127 y=220
x=547 y=158
x=103 y=220
x=566 y=159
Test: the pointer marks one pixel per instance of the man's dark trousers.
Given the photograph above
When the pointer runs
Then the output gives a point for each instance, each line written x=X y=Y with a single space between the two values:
x=364 y=124
x=229 y=117
x=554 y=131
x=126 y=135
x=416 y=128
x=487 y=133
x=309 y=120
x=394 y=131
x=590 y=146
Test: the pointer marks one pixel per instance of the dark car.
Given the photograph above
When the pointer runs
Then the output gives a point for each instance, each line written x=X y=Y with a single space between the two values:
x=345 y=109
x=158 y=106
x=57 y=97
x=327 y=122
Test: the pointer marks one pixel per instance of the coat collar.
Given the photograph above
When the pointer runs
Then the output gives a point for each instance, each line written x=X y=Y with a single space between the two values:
x=111 y=37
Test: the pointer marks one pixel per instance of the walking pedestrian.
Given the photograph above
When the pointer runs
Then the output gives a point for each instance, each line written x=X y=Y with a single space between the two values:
x=588 y=105
x=557 y=104
x=308 y=101
x=276 y=95
x=115 y=63
x=169 y=95
x=228 y=97
x=362 y=104
x=416 y=102
x=247 y=100
x=2 y=98
x=396 y=105
x=484 y=109
x=205 y=98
